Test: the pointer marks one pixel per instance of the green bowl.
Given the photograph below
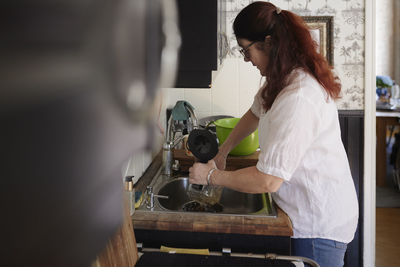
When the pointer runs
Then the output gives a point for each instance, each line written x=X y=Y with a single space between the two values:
x=246 y=147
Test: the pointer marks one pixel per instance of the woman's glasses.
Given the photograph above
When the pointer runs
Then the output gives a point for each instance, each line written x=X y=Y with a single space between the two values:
x=245 y=51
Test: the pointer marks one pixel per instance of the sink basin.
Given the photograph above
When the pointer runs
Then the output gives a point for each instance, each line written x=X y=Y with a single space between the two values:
x=176 y=192
x=231 y=202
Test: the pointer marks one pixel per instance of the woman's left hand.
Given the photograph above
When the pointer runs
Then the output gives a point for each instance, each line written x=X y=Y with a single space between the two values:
x=199 y=171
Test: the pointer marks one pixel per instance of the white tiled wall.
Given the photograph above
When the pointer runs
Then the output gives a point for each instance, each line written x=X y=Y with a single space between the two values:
x=249 y=83
x=137 y=164
x=231 y=93
x=225 y=89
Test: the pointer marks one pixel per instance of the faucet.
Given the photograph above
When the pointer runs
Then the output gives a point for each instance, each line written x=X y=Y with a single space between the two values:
x=151 y=196
x=173 y=127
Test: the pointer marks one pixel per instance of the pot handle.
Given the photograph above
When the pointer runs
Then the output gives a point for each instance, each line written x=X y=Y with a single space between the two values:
x=209 y=123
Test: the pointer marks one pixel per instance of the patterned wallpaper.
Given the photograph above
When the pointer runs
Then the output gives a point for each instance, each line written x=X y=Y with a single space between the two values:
x=349 y=18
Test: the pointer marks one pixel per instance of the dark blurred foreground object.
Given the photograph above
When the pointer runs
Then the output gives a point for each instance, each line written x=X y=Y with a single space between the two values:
x=78 y=78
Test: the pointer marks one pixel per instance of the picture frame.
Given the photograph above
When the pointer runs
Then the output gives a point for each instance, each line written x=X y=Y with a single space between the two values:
x=321 y=28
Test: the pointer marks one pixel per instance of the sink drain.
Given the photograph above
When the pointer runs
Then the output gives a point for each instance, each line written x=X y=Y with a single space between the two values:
x=195 y=206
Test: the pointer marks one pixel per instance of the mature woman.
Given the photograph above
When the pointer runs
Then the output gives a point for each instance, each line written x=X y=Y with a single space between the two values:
x=302 y=159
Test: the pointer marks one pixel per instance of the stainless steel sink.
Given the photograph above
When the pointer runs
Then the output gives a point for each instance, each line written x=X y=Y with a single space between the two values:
x=230 y=203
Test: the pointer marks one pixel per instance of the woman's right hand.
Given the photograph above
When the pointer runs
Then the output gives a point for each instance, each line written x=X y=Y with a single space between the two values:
x=220 y=161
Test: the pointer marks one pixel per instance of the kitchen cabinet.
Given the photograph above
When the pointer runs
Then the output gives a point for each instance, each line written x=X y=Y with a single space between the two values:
x=204 y=43
x=352 y=131
x=238 y=243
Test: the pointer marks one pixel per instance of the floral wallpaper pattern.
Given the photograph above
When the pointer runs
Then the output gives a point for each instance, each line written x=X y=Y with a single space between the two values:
x=349 y=18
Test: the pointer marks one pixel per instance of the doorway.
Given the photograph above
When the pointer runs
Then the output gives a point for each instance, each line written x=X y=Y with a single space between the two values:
x=387 y=126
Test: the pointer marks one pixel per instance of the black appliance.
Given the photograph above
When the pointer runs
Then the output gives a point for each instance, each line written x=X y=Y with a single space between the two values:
x=203 y=144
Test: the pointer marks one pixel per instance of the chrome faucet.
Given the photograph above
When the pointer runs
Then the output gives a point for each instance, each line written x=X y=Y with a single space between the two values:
x=173 y=127
x=151 y=196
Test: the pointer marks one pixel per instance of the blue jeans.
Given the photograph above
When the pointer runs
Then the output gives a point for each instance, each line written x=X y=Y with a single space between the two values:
x=328 y=253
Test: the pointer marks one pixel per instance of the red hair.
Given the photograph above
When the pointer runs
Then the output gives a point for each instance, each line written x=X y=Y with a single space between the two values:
x=292 y=47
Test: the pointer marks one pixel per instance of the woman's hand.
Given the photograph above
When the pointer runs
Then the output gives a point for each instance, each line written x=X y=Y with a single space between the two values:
x=199 y=171
x=220 y=161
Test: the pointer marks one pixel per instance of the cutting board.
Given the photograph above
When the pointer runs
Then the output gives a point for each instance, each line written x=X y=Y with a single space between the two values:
x=232 y=162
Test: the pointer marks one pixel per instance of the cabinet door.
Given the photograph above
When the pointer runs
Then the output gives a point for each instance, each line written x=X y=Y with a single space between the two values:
x=352 y=129
x=198 y=22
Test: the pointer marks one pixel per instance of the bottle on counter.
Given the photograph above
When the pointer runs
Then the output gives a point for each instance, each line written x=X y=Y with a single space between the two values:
x=130 y=194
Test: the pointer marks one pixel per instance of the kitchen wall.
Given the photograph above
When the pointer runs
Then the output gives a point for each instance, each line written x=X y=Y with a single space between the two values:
x=385 y=37
x=235 y=84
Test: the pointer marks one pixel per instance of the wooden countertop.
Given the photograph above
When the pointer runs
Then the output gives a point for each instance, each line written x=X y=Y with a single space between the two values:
x=208 y=222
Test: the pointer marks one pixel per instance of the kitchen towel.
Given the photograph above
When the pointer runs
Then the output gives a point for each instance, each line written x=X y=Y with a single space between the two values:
x=179 y=112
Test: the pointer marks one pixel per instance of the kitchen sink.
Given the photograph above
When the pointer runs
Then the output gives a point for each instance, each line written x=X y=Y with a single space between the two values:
x=230 y=202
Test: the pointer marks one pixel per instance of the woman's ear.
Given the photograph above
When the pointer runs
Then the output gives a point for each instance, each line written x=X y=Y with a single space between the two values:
x=267 y=40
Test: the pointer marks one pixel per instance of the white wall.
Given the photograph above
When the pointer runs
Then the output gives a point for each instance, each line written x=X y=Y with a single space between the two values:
x=137 y=164
x=232 y=91
x=384 y=37
x=396 y=26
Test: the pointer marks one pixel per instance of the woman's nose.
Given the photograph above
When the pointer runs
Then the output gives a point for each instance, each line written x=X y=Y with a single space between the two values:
x=246 y=59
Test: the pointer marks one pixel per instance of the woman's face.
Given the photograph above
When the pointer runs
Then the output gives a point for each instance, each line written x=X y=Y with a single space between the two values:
x=255 y=52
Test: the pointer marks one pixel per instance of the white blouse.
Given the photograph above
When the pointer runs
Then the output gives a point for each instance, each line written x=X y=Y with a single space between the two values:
x=301 y=143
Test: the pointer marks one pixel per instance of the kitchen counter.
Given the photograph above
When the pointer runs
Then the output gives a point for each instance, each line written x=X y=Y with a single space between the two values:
x=208 y=222
x=213 y=223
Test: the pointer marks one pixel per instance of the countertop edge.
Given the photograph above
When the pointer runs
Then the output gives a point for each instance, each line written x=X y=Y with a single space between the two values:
x=279 y=226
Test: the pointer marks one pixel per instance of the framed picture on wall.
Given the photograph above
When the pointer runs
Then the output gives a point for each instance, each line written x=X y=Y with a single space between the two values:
x=321 y=28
